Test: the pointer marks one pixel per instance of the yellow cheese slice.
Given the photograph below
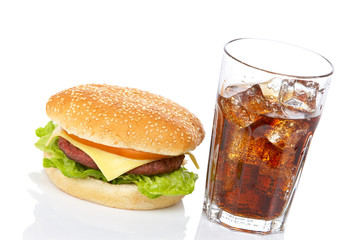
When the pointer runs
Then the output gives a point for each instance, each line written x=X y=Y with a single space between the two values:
x=111 y=165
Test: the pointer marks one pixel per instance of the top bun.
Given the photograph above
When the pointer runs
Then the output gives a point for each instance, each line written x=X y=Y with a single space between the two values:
x=126 y=118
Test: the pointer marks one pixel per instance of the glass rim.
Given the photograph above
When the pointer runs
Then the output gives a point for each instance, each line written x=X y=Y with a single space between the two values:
x=279 y=73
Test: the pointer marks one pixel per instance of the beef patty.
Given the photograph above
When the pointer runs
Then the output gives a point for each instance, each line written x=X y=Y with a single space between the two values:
x=164 y=165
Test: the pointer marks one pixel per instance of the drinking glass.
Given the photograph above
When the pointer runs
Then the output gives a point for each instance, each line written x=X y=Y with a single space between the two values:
x=269 y=101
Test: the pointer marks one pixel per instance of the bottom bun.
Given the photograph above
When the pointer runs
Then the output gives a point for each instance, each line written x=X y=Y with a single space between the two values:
x=123 y=196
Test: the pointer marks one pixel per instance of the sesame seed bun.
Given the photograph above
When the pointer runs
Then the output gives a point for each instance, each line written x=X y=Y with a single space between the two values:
x=123 y=196
x=126 y=118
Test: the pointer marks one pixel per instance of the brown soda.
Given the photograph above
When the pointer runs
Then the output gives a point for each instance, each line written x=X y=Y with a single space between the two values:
x=256 y=153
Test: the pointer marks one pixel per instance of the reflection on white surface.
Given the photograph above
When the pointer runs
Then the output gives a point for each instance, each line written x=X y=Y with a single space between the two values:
x=210 y=231
x=60 y=216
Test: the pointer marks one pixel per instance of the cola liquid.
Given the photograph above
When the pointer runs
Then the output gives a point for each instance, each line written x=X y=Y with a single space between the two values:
x=257 y=149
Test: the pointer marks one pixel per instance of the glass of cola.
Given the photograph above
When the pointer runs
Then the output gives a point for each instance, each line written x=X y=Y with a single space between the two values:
x=269 y=102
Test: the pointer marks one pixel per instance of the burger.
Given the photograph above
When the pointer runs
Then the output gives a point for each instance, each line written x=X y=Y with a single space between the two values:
x=119 y=147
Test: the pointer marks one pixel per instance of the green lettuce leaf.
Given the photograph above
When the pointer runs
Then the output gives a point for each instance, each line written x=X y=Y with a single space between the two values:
x=179 y=182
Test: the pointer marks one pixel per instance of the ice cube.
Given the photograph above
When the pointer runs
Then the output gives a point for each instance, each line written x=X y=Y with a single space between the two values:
x=235 y=112
x=271 y=88
x=239 y=147
x=285 y=133
x=234 y=89
x=269 y=153
x=299 y=95
x=254 y=100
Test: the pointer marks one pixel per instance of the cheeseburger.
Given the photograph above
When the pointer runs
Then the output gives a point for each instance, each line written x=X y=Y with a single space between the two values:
x=119 y=147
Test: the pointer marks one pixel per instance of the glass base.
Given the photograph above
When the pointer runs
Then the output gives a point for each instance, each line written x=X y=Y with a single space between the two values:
x=259 y=226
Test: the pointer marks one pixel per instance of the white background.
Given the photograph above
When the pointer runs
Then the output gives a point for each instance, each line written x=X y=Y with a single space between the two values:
x=173 y=48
